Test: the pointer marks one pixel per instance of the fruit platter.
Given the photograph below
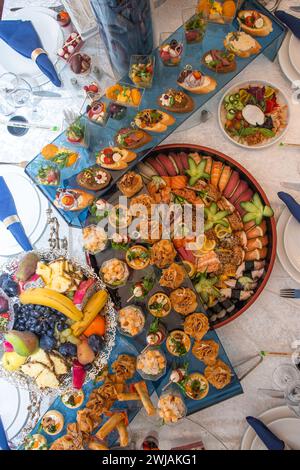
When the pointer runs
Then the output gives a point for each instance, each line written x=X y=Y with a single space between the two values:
x=57 y=322
x=158 y=94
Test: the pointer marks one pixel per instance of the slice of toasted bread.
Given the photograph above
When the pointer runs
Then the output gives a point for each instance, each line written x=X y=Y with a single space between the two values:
x=159 y=127
x=47 y=379
x=261 y=32
x=176 y=109
x=167 y=119
x=254 y=49
x=121 y=165
x=222 y=69
x=145 y=140
x=41 y=357
x=129 y=156
x=59 y=363
x=201 y=89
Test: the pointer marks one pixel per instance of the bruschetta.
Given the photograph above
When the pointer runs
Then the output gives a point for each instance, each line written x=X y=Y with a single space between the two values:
x=129 y=138
x=255 y=23
x=241 y=44
x=115 y=158
x=176 y=101
x=153 y=120
x=219 y=61
x=72 y=199
x=93 y=178
x=195 y=82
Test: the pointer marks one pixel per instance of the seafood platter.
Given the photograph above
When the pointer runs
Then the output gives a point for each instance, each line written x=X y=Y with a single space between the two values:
x=123 y=123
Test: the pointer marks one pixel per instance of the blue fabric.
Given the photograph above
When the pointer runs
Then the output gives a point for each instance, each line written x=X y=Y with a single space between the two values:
x=291 y=203
x=268 y=438
x=291 y=21
x=8 y=208
x=23 y=38
x=3 y=439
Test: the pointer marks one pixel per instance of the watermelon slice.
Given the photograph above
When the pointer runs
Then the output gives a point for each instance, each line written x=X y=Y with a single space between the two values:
x=232 y=184
x=167 y=163
x=242 y=187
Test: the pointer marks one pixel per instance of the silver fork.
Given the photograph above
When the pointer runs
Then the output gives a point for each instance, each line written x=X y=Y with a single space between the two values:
x=290 y=293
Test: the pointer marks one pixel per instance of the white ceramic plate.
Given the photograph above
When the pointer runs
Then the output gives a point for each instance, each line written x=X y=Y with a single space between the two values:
x=286 y=264
x=50 y=34
x=267 y=417
x=14 y=405
x=282 y=99
x=285 y=61
x=31 y=206
x=286 y=429
x=291 y=242
x=294 y=47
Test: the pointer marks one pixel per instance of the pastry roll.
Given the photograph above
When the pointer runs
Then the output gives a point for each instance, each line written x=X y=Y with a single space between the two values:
x=142 y=391
x=110 y=425
x=128 y=396
x=123 y=434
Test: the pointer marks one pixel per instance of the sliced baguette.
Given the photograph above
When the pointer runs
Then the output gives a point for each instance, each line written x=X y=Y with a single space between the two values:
x=176 y=109
x=264 y=31
x=201 y=89
x=254 y=49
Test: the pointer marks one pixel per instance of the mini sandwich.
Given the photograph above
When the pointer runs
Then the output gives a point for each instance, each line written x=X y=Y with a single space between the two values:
x=255 y=23
x=195 y=82
x=153 y=120
x=176 y=101
x=115 y=158
x=241 y=44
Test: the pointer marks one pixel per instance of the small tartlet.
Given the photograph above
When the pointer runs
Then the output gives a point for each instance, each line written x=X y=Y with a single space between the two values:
x=52 y=422
x=138 y=257
x=159 y=305
x=178 y=343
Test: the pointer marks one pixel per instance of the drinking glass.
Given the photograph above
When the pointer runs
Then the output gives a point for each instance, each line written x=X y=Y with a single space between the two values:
x=285 y=375
x=170 y=48
x=194 y=25
x=292 y=397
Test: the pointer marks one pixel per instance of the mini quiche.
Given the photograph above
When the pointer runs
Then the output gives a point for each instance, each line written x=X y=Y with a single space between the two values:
x=73 y=399
x=36 y=442
x=196 y=386
x=130 y=184
x=138 y=257
x=159 y=305
x=114 y=158
x=178 y=343
x=52 y=422
x=176 y=101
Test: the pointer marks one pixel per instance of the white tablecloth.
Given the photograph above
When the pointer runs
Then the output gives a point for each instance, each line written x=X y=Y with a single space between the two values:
x=271 y=323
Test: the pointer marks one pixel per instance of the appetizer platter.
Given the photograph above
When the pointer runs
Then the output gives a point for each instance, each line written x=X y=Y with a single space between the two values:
x=254 y=114
x=157 y=306
x=97 y=416
x=234 y=261
x=158 y=94
x=57 y=323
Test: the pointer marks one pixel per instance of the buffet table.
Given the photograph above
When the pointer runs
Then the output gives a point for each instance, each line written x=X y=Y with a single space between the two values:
x=269 y=324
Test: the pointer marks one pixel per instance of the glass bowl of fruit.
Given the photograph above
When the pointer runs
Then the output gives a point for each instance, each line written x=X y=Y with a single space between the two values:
x=141 y=70
x=170 y=49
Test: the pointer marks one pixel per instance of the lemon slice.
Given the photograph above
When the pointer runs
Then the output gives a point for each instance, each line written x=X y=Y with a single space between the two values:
x=189 y=267
x=269 y=91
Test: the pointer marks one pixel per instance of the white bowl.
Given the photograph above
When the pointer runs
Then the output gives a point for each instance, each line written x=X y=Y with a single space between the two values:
x=234 y=89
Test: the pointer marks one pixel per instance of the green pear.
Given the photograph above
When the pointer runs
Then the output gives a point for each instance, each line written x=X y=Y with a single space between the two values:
x=23 y=342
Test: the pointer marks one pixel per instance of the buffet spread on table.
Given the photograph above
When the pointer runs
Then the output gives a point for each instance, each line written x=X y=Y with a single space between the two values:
x=140 y=316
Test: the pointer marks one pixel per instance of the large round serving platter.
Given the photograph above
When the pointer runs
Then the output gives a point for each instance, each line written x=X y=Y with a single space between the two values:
x=254 y=185
x=25 y=382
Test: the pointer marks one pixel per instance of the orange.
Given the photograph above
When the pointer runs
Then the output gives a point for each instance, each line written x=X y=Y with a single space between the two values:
x=49 y=151
x=72 y=159
x=229 y=8
x=97 y=327
x=136 y=96
x=203 y=6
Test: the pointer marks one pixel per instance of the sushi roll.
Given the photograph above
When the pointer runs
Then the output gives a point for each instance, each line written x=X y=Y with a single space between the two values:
x=243 y=283
x=249 y=266
x=236 y=294
x=228 y=305
x=254 y=275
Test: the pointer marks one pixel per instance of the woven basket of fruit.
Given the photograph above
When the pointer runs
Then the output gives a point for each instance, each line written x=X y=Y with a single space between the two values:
x=57 y=322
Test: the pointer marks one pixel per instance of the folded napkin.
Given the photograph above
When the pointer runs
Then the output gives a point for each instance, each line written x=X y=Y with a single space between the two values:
x=3 y=439
x=291 y=21
x=9 y=216
x=271 y=441
x=291 y=203
x=23 y=38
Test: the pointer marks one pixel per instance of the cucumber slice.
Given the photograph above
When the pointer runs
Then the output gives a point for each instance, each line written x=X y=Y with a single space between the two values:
x=257 y=202
x=268 y=211
x=249 y=216
x=249 y=207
